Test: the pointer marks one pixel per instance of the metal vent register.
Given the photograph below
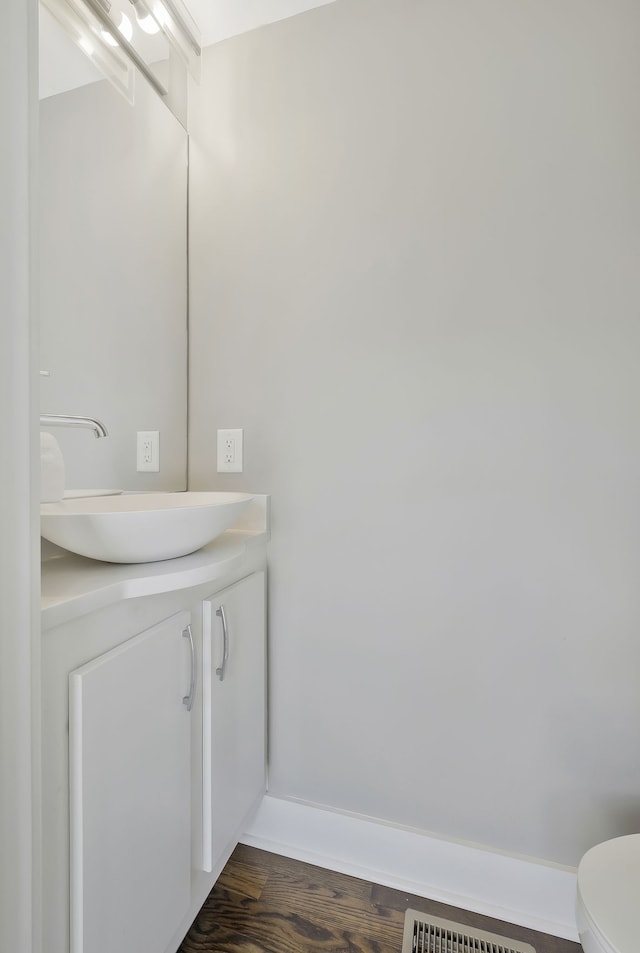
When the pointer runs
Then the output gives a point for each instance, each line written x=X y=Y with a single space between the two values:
x=425 y=934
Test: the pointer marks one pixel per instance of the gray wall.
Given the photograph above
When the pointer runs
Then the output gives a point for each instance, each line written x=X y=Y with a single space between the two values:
x=113 y=281
x=415 y=284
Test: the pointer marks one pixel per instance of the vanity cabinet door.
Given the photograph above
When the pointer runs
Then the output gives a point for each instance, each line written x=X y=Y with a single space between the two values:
x=234 y=776
x=130 y=781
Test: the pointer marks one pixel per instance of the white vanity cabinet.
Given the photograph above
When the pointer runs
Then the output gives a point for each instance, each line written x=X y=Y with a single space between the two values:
x=233 y=706
x=152 y=763
x=130 y=792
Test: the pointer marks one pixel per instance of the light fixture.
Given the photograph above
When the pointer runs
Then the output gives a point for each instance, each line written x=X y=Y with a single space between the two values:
x=106 y=35
x=161 y=15
x=88 y=25
x=145 y=19
x=124 y=28
x=175 y=21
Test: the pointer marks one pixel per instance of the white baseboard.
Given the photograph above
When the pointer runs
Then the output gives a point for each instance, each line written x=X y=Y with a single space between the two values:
x=535 y=895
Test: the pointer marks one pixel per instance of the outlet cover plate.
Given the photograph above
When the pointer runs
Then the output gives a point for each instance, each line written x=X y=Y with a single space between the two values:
x=230 y=451
x=148 y=451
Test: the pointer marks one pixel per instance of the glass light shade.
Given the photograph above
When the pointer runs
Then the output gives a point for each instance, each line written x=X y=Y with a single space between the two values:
x=124 y=27
x=179 y=28
x=145 y=18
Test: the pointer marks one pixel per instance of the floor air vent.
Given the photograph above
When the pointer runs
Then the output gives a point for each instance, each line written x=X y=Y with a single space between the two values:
x=425 y=934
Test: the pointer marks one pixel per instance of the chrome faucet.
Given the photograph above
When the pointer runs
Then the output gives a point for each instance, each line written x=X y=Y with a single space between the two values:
x=61 y=420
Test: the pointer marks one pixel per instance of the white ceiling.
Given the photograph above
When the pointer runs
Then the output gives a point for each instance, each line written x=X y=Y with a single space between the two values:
x=219 y=19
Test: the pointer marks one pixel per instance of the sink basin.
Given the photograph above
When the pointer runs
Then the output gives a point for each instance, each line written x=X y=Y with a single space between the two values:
x=140 y=527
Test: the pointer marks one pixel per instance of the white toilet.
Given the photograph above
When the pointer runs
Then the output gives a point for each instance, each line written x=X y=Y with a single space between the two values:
x=608 y=905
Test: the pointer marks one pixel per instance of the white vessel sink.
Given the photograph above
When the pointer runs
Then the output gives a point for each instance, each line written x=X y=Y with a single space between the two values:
x=140 y=527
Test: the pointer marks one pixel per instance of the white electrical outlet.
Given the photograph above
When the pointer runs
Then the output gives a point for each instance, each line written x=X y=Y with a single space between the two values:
x=148 y=451
x=230 y=451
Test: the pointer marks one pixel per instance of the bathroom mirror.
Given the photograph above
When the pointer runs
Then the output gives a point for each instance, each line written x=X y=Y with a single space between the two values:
x=113 y=269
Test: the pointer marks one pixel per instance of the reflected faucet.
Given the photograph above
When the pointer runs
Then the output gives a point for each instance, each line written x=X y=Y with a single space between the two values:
x=61 y=420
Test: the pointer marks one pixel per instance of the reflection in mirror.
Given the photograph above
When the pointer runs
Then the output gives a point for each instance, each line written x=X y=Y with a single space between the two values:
x=113 y=269
x=158 y=37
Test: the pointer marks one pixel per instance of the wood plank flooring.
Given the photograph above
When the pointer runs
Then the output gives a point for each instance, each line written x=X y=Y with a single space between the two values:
x=264 y=903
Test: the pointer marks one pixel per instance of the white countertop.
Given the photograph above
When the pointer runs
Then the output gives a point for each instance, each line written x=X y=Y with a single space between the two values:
x=73 y=585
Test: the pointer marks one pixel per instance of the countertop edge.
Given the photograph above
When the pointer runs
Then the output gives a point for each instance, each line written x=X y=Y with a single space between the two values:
x=73 y=586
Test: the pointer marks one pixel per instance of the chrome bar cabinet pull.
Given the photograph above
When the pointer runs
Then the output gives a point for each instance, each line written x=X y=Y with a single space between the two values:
x=188 y=700
x=221 y=672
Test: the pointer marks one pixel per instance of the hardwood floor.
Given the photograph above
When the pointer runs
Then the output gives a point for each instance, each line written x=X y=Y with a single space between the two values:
x=264 y=903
